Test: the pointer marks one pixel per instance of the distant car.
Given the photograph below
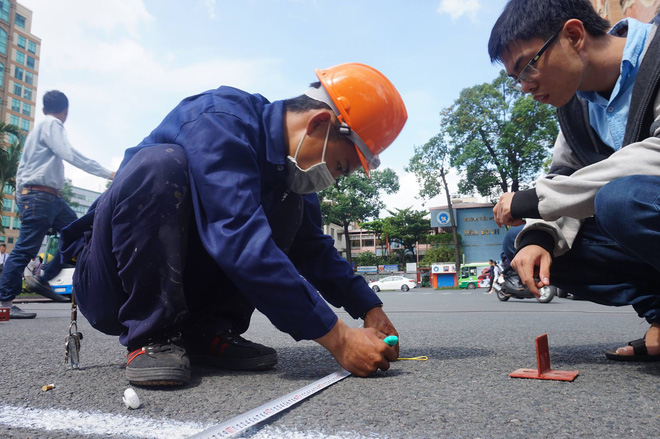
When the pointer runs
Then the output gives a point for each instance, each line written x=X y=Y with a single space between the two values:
x=393 y=283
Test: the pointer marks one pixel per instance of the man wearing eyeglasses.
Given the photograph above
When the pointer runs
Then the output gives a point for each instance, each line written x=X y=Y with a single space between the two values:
x=593 y=224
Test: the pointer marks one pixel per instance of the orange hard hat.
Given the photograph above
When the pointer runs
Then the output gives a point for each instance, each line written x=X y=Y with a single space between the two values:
x=369 y=108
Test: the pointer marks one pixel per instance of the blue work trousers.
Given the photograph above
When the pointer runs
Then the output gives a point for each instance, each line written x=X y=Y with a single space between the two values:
x=615 y=258
x=39 y=212
x=143 y=270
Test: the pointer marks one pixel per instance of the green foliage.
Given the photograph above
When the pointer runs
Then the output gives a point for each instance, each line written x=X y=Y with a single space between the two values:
x=67 y=195
x=442 y=253
x=369 y=258
x=430 y=164
x=407 y=227
x=442 y=239
x=499 y=137
x=356 y=198
x=11 y=148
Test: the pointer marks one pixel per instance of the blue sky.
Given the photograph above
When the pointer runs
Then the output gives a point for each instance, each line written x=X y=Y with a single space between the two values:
x=126 y=63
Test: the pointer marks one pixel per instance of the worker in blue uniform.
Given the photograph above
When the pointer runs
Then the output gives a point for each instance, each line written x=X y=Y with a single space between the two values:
x=215 y=213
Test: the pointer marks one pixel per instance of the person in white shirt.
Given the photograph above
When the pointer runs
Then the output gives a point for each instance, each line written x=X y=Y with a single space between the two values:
x=39 y=183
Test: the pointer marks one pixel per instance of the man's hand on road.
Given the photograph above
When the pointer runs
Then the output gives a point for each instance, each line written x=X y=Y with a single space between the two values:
x=377 y=319
x=360 y=351
x=533 y=262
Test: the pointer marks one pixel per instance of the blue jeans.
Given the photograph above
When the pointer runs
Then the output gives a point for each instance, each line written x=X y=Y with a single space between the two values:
x=615 y=258
x=39 y=212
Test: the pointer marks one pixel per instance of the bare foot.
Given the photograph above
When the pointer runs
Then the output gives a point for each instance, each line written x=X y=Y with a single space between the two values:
x=652 y=339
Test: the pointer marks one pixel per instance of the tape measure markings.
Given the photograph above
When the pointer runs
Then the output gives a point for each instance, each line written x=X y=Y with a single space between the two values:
x=248 y=419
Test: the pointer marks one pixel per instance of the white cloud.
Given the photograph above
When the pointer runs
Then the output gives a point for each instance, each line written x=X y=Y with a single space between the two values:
x=210 y=7
x=457 y=8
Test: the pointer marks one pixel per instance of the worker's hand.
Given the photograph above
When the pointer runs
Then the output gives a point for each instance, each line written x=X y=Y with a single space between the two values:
x=502 y=211
x=377 y=319
x=533 y=262
x=360 y=351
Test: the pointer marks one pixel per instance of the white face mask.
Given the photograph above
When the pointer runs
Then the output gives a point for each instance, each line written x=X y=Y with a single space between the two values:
x=313 y=179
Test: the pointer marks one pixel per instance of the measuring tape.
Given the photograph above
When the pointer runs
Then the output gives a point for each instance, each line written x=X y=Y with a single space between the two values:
x=246 y=420
x=261 y=413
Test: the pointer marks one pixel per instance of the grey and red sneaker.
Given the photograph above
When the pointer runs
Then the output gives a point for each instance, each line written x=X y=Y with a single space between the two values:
x=160 y=362
x=228 y=350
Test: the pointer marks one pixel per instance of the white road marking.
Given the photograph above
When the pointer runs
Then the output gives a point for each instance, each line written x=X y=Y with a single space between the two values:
x=96 y=424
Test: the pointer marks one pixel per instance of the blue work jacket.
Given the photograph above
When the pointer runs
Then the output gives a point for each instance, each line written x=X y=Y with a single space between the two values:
x=274 y=252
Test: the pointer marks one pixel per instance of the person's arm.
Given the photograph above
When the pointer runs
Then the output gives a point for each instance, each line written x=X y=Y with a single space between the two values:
x=226 y=192
x=573 y=195
x=58 y=143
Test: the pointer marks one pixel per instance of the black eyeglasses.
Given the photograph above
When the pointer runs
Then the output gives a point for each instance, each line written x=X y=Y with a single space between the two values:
x=529 y=71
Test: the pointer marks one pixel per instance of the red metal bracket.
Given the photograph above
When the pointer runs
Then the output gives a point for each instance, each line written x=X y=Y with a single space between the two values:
x=4 y=314
x=543 y=359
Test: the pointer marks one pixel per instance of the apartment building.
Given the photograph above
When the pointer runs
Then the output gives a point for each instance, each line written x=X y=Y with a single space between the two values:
x=19 y=67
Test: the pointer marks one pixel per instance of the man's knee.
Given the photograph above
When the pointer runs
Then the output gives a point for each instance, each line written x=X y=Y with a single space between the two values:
x=617 y=204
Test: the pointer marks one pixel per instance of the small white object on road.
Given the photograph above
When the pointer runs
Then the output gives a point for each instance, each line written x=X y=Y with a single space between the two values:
x=131 y=399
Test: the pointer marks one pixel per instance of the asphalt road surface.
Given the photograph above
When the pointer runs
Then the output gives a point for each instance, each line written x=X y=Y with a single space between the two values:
x=472 y=340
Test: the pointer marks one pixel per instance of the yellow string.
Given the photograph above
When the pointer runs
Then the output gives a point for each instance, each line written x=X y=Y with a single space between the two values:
x=422 y=358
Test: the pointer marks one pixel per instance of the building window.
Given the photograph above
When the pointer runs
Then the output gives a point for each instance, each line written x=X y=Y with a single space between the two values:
x=10 y=240
x=15 y=105
x=4 y=10
x=8 y=189
x=20 y=57
x=17 y=223
x=27 y=109
x=22 y=41
x=2 y=75
x=18 y=89
x=29 y=78
x=5 y=221
x=18 y=73
x=30 y=62
x=19 y=21
x=3 y=41
x=6 y=204
x=27 y=93
x=32 y=47
x=13 y=119
x=25 y=125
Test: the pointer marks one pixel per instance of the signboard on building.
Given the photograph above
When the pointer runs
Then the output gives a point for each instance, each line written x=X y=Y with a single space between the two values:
x=440 y=218
x=367 y=269
x=391 y=267
x=411 y=267
x=441 y=267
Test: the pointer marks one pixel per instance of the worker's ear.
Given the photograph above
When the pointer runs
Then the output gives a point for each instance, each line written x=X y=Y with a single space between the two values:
x=319 y=121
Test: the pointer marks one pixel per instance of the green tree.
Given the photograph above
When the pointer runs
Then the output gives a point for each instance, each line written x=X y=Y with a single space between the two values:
x=500 y=137
x=376 y=226
x=407 y=227
x=442 y=250
x=366 y=258
x=67 y=195
x=356 y=198
x=430 y=164
x=11 y=147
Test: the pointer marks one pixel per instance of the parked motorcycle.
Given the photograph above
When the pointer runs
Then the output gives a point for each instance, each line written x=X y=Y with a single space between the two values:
x=508 y=285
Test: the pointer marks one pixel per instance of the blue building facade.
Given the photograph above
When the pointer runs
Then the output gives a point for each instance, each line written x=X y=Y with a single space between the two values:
x=482 y=239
